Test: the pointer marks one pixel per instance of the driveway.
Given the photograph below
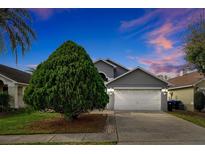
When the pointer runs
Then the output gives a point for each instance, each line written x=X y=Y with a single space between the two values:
x=156 y=128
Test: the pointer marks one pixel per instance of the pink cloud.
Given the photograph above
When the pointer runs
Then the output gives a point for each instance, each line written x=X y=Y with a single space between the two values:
x=162 y=63
x=160 y=32
x=170 y=15
x=166 y=68
x=162 y=42
x=159 y=36
x=45 y=13
x=167 y=57
x=161 y=59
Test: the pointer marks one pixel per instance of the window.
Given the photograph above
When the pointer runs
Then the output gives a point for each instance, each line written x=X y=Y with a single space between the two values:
x=103 y=77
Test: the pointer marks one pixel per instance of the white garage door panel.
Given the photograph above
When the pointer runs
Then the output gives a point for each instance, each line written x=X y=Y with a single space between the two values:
x=137 y=99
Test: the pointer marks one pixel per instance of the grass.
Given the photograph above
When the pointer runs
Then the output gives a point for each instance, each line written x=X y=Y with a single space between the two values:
x=196 y=118
x=46 y=123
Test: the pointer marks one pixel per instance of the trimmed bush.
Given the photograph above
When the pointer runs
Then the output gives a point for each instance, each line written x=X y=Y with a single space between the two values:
x=67 y=82
x=4 y=102
x=199 y=101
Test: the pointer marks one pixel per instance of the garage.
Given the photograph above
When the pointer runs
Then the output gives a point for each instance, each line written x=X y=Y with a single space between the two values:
x=137 y=99
x=137 y=90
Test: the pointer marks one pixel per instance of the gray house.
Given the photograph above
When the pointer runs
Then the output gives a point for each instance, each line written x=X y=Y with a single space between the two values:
x=14 y=82
x=135 y=89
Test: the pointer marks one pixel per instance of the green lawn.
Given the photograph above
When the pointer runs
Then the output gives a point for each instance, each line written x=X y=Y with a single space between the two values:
x=196 y=118
x=16 y=123
x=45 y=123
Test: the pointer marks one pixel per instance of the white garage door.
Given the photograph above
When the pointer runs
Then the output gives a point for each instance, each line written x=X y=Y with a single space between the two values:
x=131 y=99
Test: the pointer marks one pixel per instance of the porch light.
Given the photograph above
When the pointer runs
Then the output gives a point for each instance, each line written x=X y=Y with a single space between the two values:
x=165 y=91
x=110 y=91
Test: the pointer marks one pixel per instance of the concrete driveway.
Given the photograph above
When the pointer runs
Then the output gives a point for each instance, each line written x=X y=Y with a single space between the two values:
x=156 y=128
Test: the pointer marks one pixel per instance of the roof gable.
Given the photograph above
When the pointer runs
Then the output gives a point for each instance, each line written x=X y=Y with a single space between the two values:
x=14 y=74
x=138 y=77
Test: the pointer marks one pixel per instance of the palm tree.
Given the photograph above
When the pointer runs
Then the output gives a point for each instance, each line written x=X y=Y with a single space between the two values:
x=15 y=30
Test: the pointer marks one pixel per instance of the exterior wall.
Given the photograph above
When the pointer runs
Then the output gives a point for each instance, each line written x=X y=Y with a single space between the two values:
x=105 y=68
x=163 y=101
x=20 y=97
x=11 y=90
x=137 y=78
x=186 y=95
x=110 y=105
x=12 y=93
x=15 y=91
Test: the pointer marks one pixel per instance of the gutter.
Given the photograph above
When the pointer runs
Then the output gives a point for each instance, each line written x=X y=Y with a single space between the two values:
x=180 y=87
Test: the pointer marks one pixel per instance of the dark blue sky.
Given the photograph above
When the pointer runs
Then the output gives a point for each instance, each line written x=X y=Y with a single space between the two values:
x=150 y=38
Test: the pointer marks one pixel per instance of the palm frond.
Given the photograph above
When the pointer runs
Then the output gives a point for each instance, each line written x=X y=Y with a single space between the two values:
x=16 y=24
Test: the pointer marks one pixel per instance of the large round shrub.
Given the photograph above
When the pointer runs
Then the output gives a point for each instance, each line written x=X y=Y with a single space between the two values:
x=199 y=100
x=67 y=82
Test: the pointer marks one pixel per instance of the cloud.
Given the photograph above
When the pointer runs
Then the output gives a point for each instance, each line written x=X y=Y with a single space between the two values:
x=164 y=63
x=158 y=30
x=170 y=69
x=177 y=16
x=159 y=37
x=43 y=13
x=162 y=41
x=46 y=13
x=157 y=26
x=125 y=25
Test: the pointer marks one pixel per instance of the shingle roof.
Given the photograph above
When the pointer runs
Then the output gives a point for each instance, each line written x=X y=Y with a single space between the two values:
x=115 y=63
x=105 y=62
x=186 y=79
x=14 y=74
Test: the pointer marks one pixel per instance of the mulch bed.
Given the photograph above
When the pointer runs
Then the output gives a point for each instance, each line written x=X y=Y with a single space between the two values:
x=86 y=123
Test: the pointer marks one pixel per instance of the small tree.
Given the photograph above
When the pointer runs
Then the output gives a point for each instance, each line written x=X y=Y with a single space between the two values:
x=195 y=44
x=67 y=82
x=199 y=101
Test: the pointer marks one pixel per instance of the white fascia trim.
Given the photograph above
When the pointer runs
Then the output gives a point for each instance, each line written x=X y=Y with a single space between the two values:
x=25 y=84
x=7 y=78
x=141 y=70
x=138 y=88
x=105 y=62
x=180 y=87
x=117 y=64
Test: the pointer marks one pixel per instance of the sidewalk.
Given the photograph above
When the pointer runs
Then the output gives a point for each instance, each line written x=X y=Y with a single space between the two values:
x=108 y=136
x=92 y=138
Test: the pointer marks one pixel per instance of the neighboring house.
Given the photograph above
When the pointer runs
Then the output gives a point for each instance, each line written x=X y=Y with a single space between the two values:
x=136 y=90
x=14 y=82
x=184 y=86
